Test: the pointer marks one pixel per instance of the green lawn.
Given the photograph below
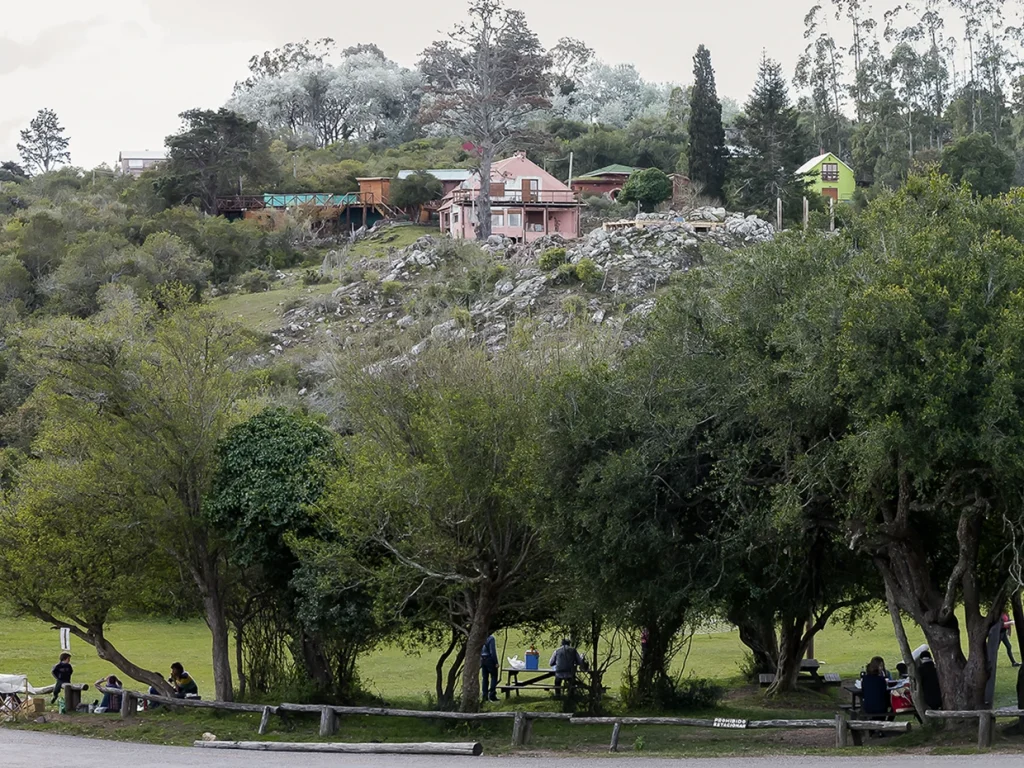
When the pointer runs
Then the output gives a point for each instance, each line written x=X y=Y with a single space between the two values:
x=402 y=679
x=31 y=647
x=262 y=312
x=391 y=238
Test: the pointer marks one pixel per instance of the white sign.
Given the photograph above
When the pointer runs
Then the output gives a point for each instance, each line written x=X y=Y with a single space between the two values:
x=65 y=639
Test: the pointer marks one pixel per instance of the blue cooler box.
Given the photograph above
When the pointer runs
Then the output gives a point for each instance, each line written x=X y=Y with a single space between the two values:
x=532 y=660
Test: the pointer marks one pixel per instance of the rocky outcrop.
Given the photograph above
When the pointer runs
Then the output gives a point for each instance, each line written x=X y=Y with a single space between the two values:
x=602 y=279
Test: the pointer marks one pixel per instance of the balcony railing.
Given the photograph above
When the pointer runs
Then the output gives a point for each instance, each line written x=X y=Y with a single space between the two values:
x=296 y=200
x=518 y=197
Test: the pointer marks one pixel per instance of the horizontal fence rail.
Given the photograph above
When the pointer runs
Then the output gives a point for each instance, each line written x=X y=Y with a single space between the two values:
x=847 y=730
x=986 y=720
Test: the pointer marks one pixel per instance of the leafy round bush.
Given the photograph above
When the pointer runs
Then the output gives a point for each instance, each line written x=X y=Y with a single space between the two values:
x=255 y=281
x=552 y=258
x=588 y=273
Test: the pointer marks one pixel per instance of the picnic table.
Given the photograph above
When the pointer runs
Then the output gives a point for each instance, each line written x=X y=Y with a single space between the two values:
x=542 y=679
x=856 y=693
x=808 y=674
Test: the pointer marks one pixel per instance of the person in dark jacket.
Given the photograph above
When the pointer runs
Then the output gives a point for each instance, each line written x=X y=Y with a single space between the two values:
x=928 y=677
x=565 y=661
x=1004 y=638
x=61 y=672
x=489 y=670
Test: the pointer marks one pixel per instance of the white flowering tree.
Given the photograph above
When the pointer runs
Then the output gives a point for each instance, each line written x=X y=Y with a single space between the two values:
x=363 y=97
x=612 y=95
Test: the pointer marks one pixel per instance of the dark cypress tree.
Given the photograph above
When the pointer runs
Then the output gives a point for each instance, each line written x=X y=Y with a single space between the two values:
x=773 y=146
x=707 y=136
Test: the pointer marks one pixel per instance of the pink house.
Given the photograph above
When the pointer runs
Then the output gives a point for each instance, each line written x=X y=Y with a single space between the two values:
x=527 y=203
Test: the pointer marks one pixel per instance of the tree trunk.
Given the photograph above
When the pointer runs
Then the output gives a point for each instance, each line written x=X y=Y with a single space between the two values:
x=908 y=655
x=239 y=665
x=483 y=203
x=758 y=634
x=652 y=675
x=478 y=631
x=315 y=660
x=445 y=684
x=106 y=651
x=218 y=623
x=792 y=646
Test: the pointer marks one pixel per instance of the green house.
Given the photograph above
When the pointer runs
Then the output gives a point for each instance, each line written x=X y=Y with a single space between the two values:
x=829 y=176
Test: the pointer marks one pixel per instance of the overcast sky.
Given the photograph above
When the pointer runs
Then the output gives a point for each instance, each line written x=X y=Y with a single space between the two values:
x=118 y=72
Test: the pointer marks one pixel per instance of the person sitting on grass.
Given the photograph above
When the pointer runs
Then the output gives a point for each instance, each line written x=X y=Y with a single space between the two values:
x=110 y=683
x=182 y=682
x=61 y=672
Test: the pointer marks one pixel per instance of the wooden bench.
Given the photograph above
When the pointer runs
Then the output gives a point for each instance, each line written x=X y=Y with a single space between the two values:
x=832 y=678
x=852 y=731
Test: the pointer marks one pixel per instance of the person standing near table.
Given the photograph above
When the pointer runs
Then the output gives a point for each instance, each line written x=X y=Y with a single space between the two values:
x=489 y=670
x=1004 y=638
x=564 y=661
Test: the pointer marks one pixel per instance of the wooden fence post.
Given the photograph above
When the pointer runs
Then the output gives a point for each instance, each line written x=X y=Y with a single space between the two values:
x=127 y=705
x=615 y=737
x=842 y=728
x=519 y=729
x=986 y=720
x=264 y=721
x=328 y=722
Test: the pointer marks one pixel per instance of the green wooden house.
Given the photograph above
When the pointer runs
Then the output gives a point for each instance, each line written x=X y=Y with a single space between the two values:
x=829 y=176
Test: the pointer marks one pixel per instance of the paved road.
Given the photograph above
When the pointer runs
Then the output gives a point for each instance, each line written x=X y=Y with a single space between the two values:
x=41 y=750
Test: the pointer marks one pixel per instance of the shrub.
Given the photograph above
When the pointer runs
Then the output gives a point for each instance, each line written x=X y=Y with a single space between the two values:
x=391 y=288
x=371 y=276
x=697 y=693
x=648 y=187
x=462 y=317
x=313 y=277
x=566 y=273
x=552 y=258
x=588 y=273
x=574 y=305
x=255 y=281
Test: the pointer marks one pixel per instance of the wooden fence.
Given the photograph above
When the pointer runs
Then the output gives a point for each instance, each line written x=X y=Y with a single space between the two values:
x=986 y=720
x=847 y=731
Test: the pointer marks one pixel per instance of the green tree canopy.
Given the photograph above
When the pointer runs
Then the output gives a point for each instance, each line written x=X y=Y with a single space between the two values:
x=649 y=187
x=977 y=160
x=43 y=145
x=415 y=191
x=172 y=379
x=707 y=136
x=442 y=475
x=217 y=153
x=773 y=145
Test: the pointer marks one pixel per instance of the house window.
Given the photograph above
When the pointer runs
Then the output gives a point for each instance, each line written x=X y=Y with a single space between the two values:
x=455 y=217
x=830 y=171
x=515 y=220
x=136 y=164
x=497 y=220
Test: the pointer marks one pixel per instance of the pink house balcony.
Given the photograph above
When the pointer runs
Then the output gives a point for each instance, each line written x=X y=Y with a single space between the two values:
x=520 y=197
